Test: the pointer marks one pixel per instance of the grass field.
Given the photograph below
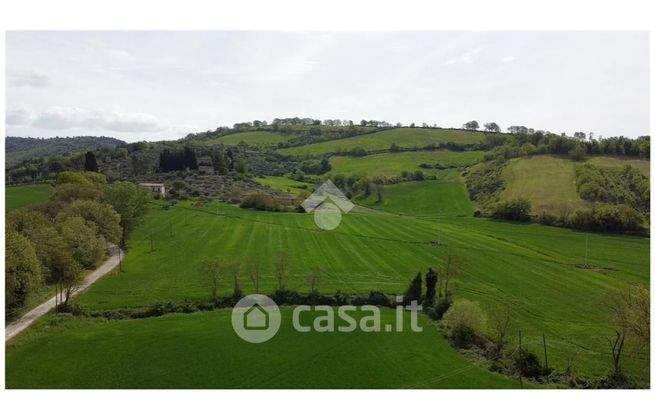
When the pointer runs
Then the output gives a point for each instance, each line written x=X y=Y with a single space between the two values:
x=393 y=164
x=530 y=267
x=533 y=269
x=284 y=184
x=21 y=196
x=255 y=138
x=618 y=162
x=403 y=137
x=201 y=350
x=424 y=199
x=549 y=181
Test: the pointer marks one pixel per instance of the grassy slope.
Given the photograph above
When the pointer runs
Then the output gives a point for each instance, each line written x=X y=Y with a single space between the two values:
x=21 y=196
x=283 y=184
x=403 y=137
x=202 y=351
x=445 y=197
x=549 y=181
x=393 y=164
x=531 y=267
x=255 y=138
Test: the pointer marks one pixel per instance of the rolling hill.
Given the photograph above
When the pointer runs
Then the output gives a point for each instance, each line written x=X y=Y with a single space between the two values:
x=402 y=137
x=549 y=182
x=19 y=149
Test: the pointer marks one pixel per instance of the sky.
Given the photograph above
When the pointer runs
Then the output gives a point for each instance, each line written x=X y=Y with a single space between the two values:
x=162 y=85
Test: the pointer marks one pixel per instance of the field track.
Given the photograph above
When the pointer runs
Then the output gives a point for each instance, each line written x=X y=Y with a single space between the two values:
x=26 y=320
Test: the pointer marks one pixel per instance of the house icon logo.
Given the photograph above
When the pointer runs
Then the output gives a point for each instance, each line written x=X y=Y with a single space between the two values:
x=256 y=318
x=327 y=202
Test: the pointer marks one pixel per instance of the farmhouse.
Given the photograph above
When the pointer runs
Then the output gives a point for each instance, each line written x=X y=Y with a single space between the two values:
x=157 y=189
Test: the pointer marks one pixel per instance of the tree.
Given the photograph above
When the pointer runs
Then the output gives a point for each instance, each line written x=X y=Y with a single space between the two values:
x=131 y=202
x=415 y=290
x=220 y=162
x=430 y=286
x=515 y=209
x=83 y=240
x=578 y=153
x=236 y=285
x=90 y=163
x=101 y=214
x=23 y=274
x=280 y=270
x=465 y=321
x=491 y=127
x=190 y=160
x=314 y=280
x=255 y=273
x=472 y=125
x=211 y=268
x=241 y=166
x=501 y=321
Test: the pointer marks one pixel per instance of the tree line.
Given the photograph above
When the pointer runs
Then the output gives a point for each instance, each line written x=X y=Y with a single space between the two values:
x=54 y=242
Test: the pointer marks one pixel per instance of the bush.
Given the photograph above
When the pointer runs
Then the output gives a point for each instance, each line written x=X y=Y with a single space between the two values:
x=517 y=209
x=578 y=153
x=260 y=201
x=527 y=364
x=465 y=321
x=608 y=218
x=440 y=308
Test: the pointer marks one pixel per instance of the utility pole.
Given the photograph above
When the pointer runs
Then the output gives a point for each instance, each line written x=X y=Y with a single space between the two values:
x=586 y=250
x=520 y=357
x=543 y=337
x=120 y=260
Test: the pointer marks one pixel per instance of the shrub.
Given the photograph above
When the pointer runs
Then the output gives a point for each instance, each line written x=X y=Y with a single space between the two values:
x=465 y=321
x=527 y=364
x=578 y=153
x=517 y=209
x=260 y=201
x=608 y=218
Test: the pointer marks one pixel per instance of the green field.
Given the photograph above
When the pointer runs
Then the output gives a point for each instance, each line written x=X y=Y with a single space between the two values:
x=393 y=164
x=201 y=350
x=549 y=181
x=403 y=137
x=426 y=198
x=284 y=184
x=255 y=138
x=531 y=267
x=21 y=196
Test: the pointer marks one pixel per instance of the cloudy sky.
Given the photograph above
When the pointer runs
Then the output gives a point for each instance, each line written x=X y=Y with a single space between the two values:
x=163 y=85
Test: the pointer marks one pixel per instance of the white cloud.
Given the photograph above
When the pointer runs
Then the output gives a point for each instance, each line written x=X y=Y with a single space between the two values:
x=208 y=79
x=62 y=118
x=466 y=57
x=29 y=79
x=18 y=116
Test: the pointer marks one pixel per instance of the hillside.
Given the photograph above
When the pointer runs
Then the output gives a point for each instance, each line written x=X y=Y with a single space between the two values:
x=402 y=137
x=393 y=164
x=533 y=268
x=18 y=149
x=549 y=182
x=254 y=138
